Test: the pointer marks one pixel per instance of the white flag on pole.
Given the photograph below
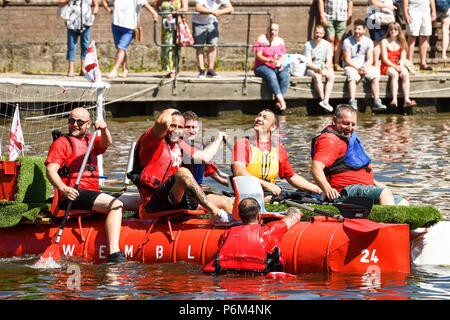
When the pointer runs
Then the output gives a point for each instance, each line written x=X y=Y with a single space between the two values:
x=93 y=73
x=16 y=142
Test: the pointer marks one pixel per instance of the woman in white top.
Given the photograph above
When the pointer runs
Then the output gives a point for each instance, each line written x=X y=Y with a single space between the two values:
x=125 y=17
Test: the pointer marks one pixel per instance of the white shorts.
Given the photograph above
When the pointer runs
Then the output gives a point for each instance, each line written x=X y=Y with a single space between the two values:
x=352 y=74
x=420 y=24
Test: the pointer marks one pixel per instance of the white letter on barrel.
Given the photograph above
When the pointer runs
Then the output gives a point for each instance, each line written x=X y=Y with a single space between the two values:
x=189 y=253
x=129 y=251
x=101 y=253
x=159 y=252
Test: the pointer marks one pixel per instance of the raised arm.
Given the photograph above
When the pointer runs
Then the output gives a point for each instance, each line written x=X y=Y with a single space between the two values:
x=163 y=123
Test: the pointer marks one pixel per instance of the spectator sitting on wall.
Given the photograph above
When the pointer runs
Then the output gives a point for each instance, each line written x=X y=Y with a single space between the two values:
x=357 y=54
x=269 y=58
x=320 y=64
x=393 y=56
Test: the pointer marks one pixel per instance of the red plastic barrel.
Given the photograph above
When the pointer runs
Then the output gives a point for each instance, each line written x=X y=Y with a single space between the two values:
x=308 y=247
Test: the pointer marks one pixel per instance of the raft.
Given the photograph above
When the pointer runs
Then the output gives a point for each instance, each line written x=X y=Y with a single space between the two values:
x=316 y=244
x=320 y=245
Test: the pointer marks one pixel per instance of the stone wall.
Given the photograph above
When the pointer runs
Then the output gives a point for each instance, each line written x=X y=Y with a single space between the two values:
x=33 y=37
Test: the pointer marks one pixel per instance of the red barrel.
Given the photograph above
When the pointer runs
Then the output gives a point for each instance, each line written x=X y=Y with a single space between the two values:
x=308 y=247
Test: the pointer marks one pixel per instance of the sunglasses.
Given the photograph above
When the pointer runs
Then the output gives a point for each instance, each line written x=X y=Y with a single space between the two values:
x=393 y=29
x=79 y=122
x=358 y=48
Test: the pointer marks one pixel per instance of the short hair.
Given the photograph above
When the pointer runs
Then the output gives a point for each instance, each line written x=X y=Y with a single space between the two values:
x=248 y=209
x=320 y=26
x=177 y=113
x=343 y=107
x=274 y=116
x=359 y=22
x=190 y=115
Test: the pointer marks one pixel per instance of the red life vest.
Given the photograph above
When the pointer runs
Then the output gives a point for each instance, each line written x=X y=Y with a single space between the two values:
x=69 y=172
x=157 y=171
x=242 y=250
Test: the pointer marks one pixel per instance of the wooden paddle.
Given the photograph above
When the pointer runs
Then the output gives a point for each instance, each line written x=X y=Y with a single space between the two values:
x=358 y=225
x=53 y=251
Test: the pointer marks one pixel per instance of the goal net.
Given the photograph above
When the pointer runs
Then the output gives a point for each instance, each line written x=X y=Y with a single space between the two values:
x=44 y=106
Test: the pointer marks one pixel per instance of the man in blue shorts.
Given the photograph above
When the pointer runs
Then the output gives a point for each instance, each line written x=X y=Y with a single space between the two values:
x=206 y=31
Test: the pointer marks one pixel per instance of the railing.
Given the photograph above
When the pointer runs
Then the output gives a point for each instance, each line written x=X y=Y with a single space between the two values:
x=247 y=45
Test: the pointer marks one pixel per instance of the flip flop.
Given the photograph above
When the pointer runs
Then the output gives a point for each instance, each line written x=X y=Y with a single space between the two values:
x=393 y=105
x=412 y=103
x=426 y=68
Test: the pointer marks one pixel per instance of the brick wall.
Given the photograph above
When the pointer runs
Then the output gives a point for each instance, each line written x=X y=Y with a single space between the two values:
x=33 y=37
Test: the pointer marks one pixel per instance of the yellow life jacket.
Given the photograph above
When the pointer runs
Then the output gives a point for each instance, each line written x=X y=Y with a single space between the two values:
x=263 y=165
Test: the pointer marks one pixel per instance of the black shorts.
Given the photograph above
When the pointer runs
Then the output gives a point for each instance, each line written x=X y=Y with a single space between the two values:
x=162 y=199
x=85 y=200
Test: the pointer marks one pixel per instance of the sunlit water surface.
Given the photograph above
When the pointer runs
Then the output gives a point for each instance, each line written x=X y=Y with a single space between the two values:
x=410 y=155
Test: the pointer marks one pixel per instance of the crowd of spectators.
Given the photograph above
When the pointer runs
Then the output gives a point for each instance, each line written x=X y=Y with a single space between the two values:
x=334 y=48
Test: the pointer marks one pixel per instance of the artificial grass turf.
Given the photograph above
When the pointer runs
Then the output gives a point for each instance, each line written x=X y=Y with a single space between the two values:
x=415 y=216
x=33 y=189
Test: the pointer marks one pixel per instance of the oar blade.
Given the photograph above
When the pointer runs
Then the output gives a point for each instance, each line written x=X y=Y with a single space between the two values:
x=361 y=225
x=52 y=252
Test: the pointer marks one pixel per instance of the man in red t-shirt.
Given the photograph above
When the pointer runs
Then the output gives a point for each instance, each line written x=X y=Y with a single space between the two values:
x=261 y=252
x=259 y=156
x=63 y=164
x=163 y=183
x=329 y=147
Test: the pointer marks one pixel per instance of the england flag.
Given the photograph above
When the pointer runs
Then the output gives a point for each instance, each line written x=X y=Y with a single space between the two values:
x=16 y=142
x=93 y=73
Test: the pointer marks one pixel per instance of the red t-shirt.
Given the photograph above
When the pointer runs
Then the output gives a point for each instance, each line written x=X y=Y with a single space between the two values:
x=61 y=150
x=241 y=153
x=327 y=149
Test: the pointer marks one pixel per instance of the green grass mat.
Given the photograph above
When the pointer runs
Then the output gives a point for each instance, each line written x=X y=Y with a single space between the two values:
x=415 y=216
x=12 y=213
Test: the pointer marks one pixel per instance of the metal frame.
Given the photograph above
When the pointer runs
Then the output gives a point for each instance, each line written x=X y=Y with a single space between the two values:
x=247 y=45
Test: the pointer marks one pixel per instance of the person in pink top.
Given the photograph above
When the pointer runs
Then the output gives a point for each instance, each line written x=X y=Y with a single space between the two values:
x=269 y=58
x=393 y=57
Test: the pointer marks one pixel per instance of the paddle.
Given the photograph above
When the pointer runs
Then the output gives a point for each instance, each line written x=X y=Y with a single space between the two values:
x=53 y=250
x=358 y=225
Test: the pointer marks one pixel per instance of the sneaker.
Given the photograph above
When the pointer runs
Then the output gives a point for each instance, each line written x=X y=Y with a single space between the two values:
x=325 y=105
x=201 y=74
x=378 y=105
x=117 y=257
x=212 y=74
x=353 y=103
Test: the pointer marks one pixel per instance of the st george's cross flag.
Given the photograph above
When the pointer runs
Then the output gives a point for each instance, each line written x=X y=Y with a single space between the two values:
x=16 y=142
x=93 y=73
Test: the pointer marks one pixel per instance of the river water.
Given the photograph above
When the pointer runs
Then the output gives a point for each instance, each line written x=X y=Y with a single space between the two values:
x=410 y=155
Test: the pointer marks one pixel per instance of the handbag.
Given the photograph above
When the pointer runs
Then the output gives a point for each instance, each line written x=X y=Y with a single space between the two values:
x=184 y=36
x=64 y=12
x=138 y=34
x=384 y=17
